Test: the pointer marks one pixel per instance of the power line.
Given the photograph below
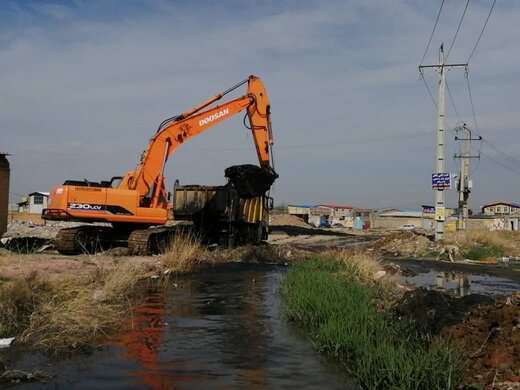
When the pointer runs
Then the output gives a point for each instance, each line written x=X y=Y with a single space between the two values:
x=458 y=29
x=498 y=162
x=452 y=102
x=433 y=32
x=468 y=86
x=482 y=32
x=389 y=138
x=428 y=89
x=512 y=159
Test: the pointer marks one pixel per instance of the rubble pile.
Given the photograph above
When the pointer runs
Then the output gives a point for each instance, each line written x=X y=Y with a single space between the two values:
x=28 y=237
x=405 y=244
x=28 y=229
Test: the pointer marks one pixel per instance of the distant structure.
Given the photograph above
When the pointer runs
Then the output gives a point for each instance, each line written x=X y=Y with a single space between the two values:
x=34 y=203
x=324 y=215
x=4 y=192
x=501 y=208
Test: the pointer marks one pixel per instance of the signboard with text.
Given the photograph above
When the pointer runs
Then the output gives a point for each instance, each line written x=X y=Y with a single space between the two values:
x=441 y=181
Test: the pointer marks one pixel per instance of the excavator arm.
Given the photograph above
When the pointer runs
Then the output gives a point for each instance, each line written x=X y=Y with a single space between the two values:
x=148 y=180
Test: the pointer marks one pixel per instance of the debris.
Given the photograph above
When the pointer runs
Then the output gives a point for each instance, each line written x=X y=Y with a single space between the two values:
x=406 y=244
x=18 y=376
x=6 y=343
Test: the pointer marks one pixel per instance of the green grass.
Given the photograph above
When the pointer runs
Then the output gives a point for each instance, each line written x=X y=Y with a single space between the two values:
x=381 y=352
x=482 y=251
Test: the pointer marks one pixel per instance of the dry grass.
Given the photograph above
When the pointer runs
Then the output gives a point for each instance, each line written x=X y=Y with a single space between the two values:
x=508 y=241
x=73 y=312
x=18 y=299
x=72 y=318
x=358 y=264
x=184 y=253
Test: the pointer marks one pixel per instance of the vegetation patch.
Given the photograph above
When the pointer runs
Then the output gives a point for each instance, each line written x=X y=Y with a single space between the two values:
x=480 y=244
x=480 y=252
x=327 y=297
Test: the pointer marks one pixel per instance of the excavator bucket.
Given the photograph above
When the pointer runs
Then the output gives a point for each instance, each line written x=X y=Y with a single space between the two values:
x=250 y=180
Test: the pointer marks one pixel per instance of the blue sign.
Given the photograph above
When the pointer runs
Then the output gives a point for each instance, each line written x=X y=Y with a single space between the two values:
x=441 y=181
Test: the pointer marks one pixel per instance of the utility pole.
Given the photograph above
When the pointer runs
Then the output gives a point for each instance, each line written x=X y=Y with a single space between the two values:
x=440 y=181
x=464 y=184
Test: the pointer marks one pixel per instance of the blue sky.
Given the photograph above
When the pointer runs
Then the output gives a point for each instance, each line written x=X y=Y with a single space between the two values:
x=85 y=83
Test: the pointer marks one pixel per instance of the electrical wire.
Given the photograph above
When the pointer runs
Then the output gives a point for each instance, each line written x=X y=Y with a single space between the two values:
x=482 y=32
x=433 y=32
x=507 y=156
x=428 y=89
x=501 y=164
x=468 y=87
x=453 y=102
x=458 y=29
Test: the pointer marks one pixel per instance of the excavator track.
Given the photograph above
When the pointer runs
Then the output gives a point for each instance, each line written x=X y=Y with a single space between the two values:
x=83 y=239
x=154 y=240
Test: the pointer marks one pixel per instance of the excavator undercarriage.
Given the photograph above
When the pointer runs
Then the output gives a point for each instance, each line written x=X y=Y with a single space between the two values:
x=233 y=214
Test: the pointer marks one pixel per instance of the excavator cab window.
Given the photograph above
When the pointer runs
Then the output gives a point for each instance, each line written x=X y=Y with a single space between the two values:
x=115 y=181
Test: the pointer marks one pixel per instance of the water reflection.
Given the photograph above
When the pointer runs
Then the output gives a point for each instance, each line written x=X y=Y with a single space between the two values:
x=455 y=281
x=462 y=283
x=142 y=341
x=222 y=330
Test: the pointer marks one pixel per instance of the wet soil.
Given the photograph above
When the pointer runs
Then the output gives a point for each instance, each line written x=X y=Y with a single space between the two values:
x=485 y=326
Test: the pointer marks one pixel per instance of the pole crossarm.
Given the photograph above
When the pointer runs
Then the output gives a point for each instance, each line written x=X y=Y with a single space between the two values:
x=479 y=138
x=464 y=156
x=443 y=66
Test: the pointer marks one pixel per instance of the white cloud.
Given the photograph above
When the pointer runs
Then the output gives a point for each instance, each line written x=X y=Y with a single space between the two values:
x=82 y=91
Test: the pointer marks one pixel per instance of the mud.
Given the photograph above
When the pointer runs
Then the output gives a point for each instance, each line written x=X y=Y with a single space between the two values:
x=489 y=336
x=433 y=310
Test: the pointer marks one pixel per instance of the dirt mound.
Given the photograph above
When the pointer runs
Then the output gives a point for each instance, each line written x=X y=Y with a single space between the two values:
x=405 y=244
x=433 y=310
x=287 y=220
x=490 y=339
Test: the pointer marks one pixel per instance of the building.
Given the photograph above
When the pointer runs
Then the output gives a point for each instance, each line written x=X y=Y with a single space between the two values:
x=302 y=211
x=34 y=203
x=419 y=218
x=501 y=208
x=323 y=215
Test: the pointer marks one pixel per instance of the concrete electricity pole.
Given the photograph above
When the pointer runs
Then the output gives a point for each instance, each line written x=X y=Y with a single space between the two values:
x=441 y=175
x=464 y=186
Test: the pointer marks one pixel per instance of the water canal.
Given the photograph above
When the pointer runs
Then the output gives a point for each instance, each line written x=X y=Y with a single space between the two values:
x=217 y=329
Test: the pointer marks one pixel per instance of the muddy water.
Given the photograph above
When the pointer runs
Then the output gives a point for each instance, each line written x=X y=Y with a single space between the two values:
x=216 y=330
x=460 y=279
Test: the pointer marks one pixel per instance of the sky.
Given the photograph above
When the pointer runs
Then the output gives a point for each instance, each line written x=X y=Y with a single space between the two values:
x=85 y=83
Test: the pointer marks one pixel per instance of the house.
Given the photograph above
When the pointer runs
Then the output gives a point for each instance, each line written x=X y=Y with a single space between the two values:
x=302 y=211
x=501 y=208
x=34 y=203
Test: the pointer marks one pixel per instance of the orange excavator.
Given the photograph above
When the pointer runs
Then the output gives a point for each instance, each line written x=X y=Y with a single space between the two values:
x=136 y=205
